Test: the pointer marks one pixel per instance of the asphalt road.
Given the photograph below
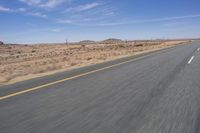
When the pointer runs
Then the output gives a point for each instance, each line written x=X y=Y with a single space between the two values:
x=153 y=93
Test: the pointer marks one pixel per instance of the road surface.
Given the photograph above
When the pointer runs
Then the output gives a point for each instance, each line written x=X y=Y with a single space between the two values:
x=153 y=93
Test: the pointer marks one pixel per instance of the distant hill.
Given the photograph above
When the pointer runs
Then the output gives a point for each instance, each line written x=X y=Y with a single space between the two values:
x=111 y=41
x=87 y=42
x=1 y=43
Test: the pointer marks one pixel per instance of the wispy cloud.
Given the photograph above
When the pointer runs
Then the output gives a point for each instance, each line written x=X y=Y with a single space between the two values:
x=149 y=20
x=117 y=23
x=84 y=7
x=5 y=9
x=174 y=24
x=44 y=3
x=87 y=13
x=52 y=3
x=55 y=30
x=65 y=21
x=88 y=6
x=31 y=2
x=21 y=9
x=82 y=20
x=174 y=18
x=38 y=14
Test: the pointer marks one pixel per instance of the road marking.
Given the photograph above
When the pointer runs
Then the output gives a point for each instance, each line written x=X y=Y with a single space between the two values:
x=191 y=59
x=73 y=77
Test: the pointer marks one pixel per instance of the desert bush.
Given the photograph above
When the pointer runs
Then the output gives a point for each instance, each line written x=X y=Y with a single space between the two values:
x=88 y=58
x=73 y=63
x=138 y=45
x=65 y=59
x=33 y=51
x=83 y=46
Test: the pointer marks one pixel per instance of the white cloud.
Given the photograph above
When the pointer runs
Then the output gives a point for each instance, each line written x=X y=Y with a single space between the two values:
x=87 y=13
x=37 y=14
x=87 y=6
x=55 y=30
x=174 y=18
x=150 y=20
x=95 y=21
x=84 y=7
x=65 y=21
x=4 y=9
x=52 y=3
x=44 y=3
x=21 y=10
x=31 y=2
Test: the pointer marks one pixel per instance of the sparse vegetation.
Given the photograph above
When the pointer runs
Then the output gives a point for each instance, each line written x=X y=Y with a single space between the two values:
x=22 y=60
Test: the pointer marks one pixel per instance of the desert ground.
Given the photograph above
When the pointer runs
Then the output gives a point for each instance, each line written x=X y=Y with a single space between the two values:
x=21 y=62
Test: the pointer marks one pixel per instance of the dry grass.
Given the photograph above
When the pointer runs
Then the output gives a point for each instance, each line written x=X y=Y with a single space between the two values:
x=21 y=60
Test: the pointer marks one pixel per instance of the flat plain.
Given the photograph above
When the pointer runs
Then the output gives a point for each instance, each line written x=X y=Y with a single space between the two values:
x=20 y=62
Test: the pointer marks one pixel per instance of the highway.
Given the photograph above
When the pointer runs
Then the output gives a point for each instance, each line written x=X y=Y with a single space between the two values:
x=157 y=92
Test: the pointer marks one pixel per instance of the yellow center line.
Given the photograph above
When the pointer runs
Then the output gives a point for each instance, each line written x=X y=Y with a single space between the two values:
x=70 y=78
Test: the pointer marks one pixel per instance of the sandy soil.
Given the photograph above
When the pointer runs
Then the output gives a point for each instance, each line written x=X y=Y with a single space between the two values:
x=22 y=62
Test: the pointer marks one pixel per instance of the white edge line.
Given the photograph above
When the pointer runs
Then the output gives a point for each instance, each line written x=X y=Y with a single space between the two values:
x=190 y=59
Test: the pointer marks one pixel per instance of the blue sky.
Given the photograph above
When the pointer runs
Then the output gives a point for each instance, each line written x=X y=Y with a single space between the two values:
x=39 y=21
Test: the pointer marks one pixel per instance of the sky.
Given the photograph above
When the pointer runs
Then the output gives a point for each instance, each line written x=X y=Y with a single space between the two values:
x=52 y=21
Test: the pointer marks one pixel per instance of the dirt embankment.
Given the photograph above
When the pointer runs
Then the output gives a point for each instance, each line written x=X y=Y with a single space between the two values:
x=19 y=62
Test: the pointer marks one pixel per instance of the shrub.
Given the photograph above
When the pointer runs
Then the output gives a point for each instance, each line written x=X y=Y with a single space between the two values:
x=1 y=43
